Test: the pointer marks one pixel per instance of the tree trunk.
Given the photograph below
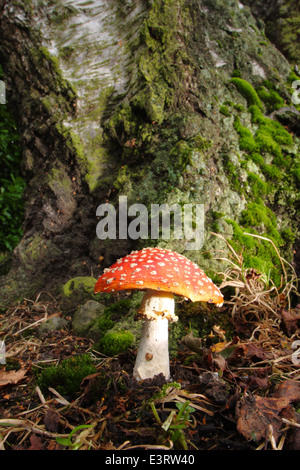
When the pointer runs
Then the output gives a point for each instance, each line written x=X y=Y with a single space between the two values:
x=135 y=98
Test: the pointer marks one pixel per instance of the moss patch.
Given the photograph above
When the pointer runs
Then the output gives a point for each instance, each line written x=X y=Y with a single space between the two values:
x=80 y=283
x=77 y=291
x=269 y=145
x=247 y=91
x=114 y=342
x=67 y=376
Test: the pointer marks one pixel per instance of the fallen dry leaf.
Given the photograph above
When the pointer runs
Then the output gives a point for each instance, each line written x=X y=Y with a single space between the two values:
x=288 y=389
x=11 y=377
x=218 y=347
x=35 y=443
x=250 y=351
x=51 y=420
x=255 y=414
x=193 y=343
x=290 y=319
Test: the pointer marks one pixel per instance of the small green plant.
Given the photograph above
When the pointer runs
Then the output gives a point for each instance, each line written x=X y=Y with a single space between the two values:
x=68 y=441
x=177 y=422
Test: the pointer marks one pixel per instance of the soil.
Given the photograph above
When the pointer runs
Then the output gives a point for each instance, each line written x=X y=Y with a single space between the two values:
x=241 y=394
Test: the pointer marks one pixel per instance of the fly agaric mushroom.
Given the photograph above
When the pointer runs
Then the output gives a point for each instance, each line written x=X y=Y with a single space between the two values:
x=161 y=273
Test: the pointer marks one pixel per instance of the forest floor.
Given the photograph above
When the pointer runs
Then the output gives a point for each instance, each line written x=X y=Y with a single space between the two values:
x=242 y=394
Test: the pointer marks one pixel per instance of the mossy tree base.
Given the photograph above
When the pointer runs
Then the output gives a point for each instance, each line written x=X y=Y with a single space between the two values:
x=184 y=119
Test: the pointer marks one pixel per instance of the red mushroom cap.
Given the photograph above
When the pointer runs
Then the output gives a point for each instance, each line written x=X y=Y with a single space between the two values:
x=159 y=269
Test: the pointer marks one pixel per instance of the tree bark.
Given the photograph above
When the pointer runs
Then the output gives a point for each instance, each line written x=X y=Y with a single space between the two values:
x=125 y=98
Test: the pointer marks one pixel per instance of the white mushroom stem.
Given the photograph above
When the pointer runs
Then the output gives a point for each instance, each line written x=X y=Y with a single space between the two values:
x=157 y=309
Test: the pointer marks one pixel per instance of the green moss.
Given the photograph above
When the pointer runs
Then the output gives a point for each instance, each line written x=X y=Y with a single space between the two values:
x=114 y=342
x=257 y=185
x=247 y=91
x=240 y=240
x=258 y=216
x=105 y=323
x=182 y=155
x=288 y=235
x=123 y=306
x=263 y=220
x=74 y=142
x=225 y=110
x=257 y=253
x=201 y=143
x=47 y=64
x=123 y=181
x=238 y=107
x=155 y=60
x=266 y=144
x=270 y=97
x=215 y=218
x=246 y=141
x=67 y=376
x=36 y=250
x=231 y=172
x=270 y=138
x=271 y=172
x=269 y=126
x=236 y=73
x=296 y=173
x=79 y=284
x=257 y=158
x=59 y=181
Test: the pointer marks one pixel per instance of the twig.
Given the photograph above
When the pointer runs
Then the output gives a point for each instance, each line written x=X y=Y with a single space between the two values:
x=150 y=446
x=26 y=424
x=290 y=422
x=41 y=320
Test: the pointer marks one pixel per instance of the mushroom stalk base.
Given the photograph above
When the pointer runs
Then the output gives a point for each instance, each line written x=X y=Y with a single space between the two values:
x=153 y=353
